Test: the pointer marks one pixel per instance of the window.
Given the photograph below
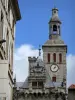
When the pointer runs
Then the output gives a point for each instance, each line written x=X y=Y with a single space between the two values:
x=34 y=84
x=54 y=79
x=54 y=57
x=48 y=57
x=60 y=58
x=1 y=57
x=54 y=28
x=1 y=16
x=40 y=84
x=54 y=11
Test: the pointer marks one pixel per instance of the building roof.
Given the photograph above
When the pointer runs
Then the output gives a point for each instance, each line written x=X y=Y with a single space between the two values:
x=25 y=84
x=19 y=84
x=16 y=9
x=72 y=86
x=54 y=42
x=55 y=19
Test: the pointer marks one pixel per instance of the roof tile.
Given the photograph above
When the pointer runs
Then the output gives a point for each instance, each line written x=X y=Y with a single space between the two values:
x=72 y=86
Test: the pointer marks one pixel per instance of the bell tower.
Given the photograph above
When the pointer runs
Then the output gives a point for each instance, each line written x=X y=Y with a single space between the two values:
x=54 y=51
x=54 y=24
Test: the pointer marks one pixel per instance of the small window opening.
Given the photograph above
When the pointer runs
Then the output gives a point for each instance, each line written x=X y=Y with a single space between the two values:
x=1 y=57
x=60 y=58
x=54 y=79
x=54 y=29
x=34 y=84
x=54 y=57
x=54 y=11
x=40 y=84
x=1 y=16
x=48 y=57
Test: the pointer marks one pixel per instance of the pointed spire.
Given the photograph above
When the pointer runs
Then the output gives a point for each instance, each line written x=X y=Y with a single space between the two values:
x=39 y=57
x=39 y=51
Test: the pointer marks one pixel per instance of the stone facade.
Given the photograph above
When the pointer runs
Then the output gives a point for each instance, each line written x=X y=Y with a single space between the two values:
x=9 y=14
x=47 y=78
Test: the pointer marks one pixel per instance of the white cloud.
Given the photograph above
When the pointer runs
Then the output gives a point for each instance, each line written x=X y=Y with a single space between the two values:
x=21 y=63
x=70 y=69
x=21 y=60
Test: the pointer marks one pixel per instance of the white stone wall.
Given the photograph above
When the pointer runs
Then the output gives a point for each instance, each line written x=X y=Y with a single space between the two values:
x=4 y=79
x=8 y=26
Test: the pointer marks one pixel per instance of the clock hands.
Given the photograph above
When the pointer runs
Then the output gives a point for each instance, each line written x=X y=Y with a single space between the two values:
x=54 y=67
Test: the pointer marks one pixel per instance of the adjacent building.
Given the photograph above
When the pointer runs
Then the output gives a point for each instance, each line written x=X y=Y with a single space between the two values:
x=9 y=14
x=47 y=77
x=71 y=92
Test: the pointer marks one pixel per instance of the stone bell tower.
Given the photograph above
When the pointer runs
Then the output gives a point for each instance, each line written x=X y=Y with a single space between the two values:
x=54 y=51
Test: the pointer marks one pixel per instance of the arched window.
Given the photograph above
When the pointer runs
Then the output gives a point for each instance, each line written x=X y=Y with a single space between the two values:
x=54 y=57
x=60 y=58
x=54 y=28
x=54 y=79
x=48 y=57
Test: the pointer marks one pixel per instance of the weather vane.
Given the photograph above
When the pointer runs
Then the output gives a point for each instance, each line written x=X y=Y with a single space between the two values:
x=39 y=50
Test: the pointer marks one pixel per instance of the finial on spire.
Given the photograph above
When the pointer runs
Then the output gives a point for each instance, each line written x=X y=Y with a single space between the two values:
x=54 y=3
x=39 y=50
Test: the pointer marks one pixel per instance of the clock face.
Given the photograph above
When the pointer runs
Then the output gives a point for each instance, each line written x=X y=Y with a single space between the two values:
x=54 y=68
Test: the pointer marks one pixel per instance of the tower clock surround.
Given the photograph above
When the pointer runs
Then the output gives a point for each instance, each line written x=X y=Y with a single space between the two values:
x=54 y=68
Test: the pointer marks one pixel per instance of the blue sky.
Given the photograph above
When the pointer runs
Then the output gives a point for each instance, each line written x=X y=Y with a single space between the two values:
x=33 y=27
x=32 y=30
